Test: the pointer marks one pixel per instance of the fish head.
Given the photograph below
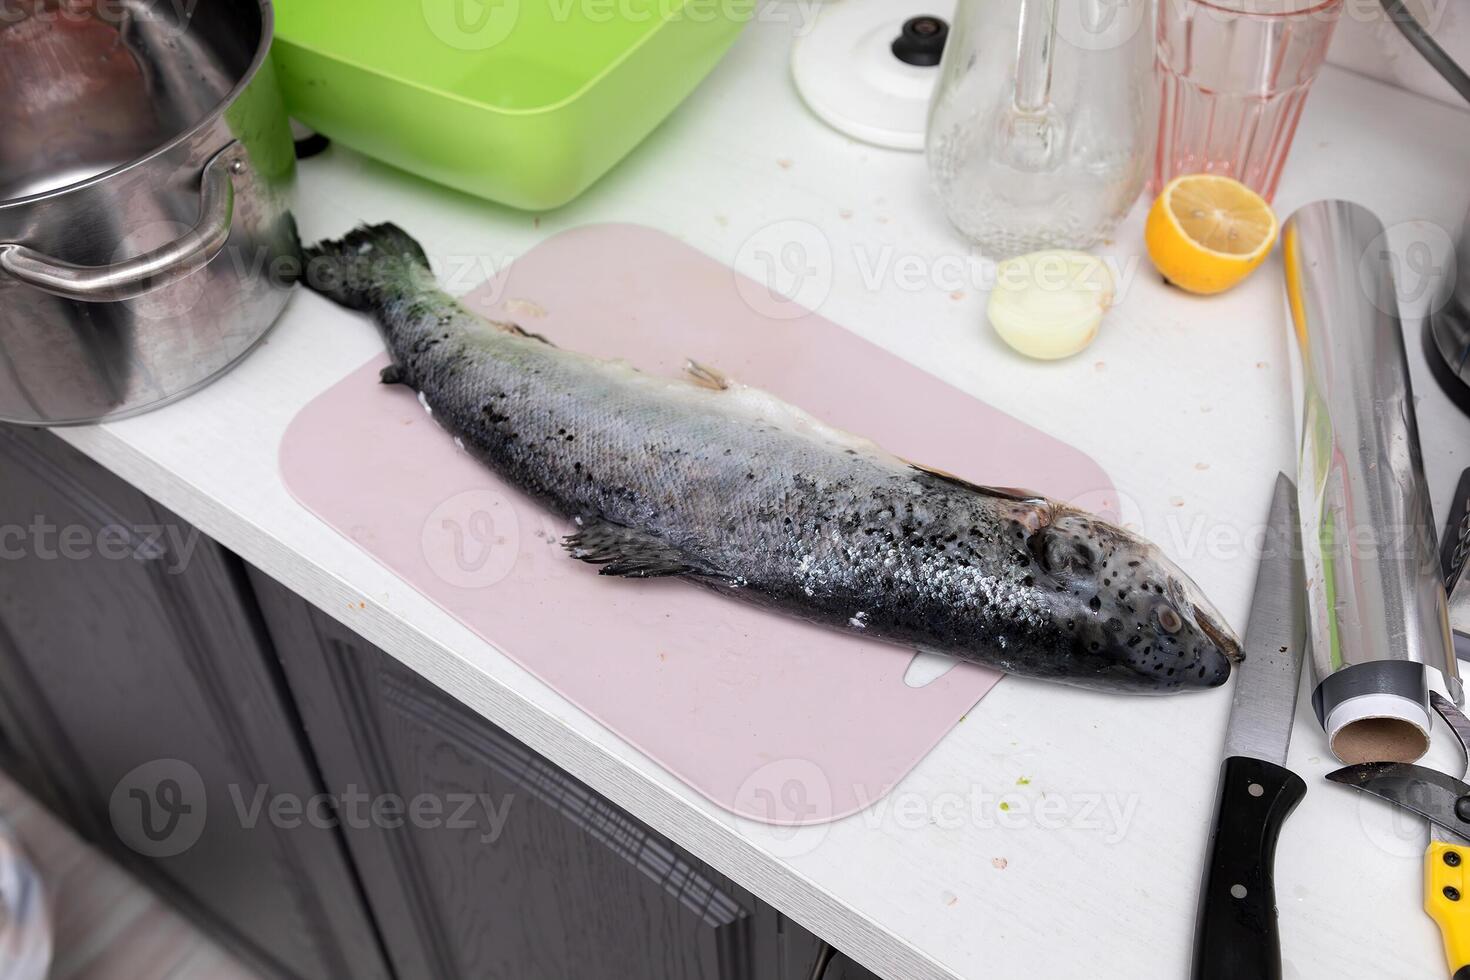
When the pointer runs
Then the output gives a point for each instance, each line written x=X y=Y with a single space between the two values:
x=1136 y=618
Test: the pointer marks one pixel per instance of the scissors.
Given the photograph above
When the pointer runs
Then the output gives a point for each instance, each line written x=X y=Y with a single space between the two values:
x=1444 y=801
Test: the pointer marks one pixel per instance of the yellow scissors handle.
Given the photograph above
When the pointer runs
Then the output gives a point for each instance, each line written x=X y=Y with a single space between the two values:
x=1447 y=900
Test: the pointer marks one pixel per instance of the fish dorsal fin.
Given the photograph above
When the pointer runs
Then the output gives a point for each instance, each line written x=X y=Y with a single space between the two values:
x=1005 y=493
x=706 y=376
x=631 y=553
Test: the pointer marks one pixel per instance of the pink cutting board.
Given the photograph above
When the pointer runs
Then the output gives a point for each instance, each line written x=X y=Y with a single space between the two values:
x=771 y=718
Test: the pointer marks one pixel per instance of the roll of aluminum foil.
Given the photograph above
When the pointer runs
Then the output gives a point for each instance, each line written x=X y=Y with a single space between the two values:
x=1375 y=595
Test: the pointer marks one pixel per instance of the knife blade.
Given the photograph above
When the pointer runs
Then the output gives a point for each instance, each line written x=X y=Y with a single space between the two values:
x=1236 y=936
x=1441 y=799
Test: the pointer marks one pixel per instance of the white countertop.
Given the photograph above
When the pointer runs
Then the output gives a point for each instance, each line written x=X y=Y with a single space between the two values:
x=1186 y=403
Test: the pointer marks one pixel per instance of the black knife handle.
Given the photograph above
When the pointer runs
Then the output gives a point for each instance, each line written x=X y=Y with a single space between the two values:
x=1235 y=936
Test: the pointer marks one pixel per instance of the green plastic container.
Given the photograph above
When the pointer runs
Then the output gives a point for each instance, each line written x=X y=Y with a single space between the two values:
x=527 y=102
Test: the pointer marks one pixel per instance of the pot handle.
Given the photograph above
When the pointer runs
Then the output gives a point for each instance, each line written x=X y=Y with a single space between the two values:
x=151 y=270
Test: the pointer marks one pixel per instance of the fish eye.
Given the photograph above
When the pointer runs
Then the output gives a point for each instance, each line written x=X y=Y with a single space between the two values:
x=1168 y=619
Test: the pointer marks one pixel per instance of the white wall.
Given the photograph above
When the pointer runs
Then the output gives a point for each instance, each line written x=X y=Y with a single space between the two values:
x=1367 y=43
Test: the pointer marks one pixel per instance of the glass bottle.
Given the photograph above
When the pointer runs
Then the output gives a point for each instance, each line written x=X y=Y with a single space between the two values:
x=1041 y=128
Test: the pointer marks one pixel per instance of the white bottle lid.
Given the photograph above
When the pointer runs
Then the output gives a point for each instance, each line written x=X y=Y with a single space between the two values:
x=848 y=75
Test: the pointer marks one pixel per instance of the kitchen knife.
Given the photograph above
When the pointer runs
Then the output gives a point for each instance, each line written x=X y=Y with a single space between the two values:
x=1236 y=936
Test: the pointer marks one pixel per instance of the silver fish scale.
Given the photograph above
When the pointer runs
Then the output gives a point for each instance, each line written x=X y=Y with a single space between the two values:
x=757 y=500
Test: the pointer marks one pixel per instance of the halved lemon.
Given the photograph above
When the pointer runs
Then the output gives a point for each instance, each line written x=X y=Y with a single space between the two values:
x=1206 y=233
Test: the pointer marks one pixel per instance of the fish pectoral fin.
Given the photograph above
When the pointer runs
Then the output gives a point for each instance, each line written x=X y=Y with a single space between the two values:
x=1005 y=493
x=706 y=376
x=392 y=375
x=630 y=553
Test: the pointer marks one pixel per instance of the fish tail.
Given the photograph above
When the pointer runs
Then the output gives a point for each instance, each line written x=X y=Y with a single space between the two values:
x=360 y=268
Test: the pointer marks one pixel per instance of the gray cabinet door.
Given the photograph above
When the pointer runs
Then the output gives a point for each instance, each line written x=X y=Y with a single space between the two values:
x=541 y=878
x=128 y=640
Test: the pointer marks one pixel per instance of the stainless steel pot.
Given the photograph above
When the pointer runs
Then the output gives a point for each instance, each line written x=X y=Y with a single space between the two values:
x=146 y=166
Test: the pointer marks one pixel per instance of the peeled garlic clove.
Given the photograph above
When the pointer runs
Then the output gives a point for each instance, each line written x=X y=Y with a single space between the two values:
x=1050 y=304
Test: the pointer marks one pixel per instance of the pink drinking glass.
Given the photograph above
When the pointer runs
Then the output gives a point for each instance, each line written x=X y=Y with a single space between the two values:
x=1233 y=77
